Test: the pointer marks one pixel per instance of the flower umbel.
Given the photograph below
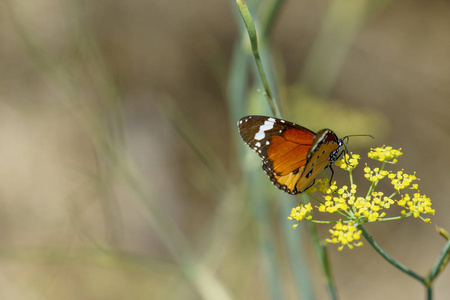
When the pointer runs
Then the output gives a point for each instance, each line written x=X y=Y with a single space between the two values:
x=348 y=163
x=417 y=205
x=372 y=206
x=375 y=174
x=401 y=180
x=345 y=234
x=385 y=154
x=300 y=212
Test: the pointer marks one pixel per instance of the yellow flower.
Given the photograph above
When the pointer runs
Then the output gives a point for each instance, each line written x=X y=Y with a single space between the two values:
x=419 y=204
x=368 y=208
x=302 y=211
x=401 y=180
x=338 y=199
x=348 y=163
x=385 y=154
x=375 y=174
x=345 y=234
x=322 y=185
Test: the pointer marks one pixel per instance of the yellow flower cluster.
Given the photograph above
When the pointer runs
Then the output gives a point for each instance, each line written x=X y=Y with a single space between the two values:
x=369 y=207
x=348 y=163
x=345 y=234
x=339 y=201
x=375 y=174
x=417 y=205
x=363 y=209
x=385 y=154
x=300 y=212
x=323 y=185
x=402 y=180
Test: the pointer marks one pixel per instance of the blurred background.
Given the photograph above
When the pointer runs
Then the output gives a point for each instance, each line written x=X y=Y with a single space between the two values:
x=122 y=173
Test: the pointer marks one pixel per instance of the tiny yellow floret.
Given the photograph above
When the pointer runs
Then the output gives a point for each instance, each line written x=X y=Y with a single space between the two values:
x=348 y=163
x=385 y=154
x=345 y=234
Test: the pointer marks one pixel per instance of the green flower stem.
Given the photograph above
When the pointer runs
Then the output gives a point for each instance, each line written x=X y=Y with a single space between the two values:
x=393 y=194
x=321 y=250
x=441 y=263
x=374 y=184
x=250 y=25
x=323 y=222
x=395 y=218
x=391 y=260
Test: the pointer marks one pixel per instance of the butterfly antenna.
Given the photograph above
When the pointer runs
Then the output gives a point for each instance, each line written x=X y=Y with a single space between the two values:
x=352 y=135
x=345 y=141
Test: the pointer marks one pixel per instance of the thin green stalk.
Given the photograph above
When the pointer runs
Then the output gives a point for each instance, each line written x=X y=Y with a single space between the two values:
x=294 y=241
x=250 y=25
x=351 y=177
x=390 y=259
x=440 y=264
x=267 y=246
x=259 y=202
x=321 y=250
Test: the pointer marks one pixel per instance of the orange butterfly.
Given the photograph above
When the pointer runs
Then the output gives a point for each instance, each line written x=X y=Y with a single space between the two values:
x=292 y=155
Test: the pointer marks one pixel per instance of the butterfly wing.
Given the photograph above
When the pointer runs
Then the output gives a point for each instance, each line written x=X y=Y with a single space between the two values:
x=324 y=151
x=283 y=147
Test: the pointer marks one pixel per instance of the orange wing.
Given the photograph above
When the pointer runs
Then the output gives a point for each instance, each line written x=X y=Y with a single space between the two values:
x=324 y=152
x=292 y=155
x=289 y=151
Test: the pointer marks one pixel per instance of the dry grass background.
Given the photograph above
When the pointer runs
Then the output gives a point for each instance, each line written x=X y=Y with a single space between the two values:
x=88 y=88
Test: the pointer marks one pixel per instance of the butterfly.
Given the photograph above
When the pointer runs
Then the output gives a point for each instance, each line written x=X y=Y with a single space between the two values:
x=292 y=155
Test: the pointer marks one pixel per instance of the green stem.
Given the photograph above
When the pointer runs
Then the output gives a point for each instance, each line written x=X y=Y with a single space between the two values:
x=394 y=218
x=321 y=250
x=250 y=25
x=442 y=261
x=323 y=222
x=390 y=259
x=429 y=293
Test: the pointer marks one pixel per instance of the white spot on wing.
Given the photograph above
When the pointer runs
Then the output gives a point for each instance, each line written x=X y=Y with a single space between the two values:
x=263 y=128
x=260 y=135
x=319 y=141
x=258 y=144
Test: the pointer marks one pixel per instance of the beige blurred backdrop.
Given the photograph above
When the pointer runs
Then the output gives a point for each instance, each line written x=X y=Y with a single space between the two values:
x=87 y=87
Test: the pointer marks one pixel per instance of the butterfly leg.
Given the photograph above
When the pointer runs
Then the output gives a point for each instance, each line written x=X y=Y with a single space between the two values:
x=332 y=174
x=312 y=183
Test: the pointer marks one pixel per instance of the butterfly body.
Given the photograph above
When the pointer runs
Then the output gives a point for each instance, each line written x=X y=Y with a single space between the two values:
x=292 y=155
